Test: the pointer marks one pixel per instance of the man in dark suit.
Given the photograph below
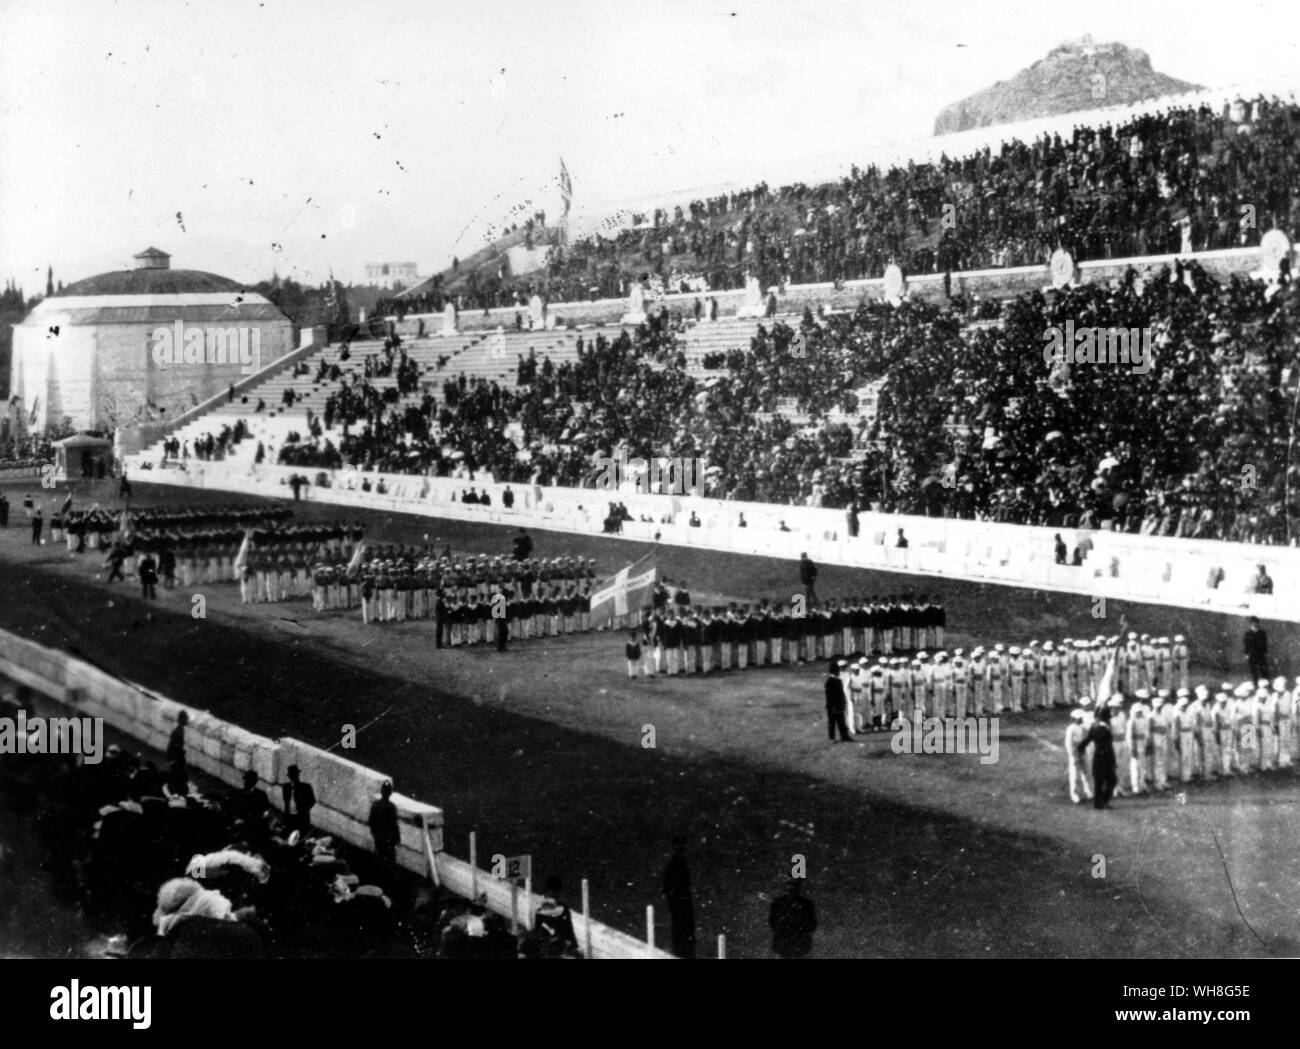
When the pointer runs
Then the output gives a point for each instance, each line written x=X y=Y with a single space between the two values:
x=147 y=572
x=808 y=577
x=440 y=621
x=793 y=920
x=250 y=804
x=383 y=825
x=299 y=800
x=836 y=704
x=1103 y=758
x=1255 y=645
x=177 y=770
x=681 y=908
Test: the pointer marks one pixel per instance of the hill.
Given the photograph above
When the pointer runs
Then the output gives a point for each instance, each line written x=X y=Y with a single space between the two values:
x=1078 y=75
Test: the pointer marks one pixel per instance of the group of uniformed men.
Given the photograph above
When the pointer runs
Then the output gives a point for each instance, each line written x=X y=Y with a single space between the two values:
x=1184 y=735
x=678 y=638
x=537 y=597
x=1004 y=679
x=180 y=527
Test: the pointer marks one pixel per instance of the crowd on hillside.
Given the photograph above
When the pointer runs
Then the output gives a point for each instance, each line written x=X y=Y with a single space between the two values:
x=1175 y=180
x=1185 y=179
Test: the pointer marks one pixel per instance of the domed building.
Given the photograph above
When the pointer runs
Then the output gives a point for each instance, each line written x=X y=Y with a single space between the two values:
x=140 y=345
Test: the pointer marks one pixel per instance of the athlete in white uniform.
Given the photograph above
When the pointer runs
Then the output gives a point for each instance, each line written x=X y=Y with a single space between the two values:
x=1075 y=778
x=1137 y=735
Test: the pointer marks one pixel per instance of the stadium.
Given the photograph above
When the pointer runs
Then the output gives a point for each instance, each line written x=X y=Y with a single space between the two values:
x=544 y=707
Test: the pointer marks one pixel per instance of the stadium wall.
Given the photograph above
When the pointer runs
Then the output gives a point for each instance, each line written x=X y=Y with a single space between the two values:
x=1121 y=565
x=344 y=789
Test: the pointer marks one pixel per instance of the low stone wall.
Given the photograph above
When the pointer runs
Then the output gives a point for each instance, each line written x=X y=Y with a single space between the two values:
x=343 y=788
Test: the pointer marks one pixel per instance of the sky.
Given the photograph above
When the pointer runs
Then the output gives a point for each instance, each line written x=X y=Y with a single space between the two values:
x=309 y=137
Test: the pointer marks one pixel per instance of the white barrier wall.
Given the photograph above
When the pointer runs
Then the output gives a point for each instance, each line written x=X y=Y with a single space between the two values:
x=344 y=789
x=1120 y=565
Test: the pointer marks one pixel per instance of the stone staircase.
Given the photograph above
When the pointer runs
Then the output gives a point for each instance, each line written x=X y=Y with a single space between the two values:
x=495 y=357
x=276 y=419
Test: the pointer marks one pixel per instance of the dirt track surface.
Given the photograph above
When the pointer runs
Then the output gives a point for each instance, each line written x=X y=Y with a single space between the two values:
x=540 y=751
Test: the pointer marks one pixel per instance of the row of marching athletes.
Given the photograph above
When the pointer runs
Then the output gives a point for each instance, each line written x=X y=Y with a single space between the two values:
x=997 y=681
x=678 y=638
x=1191 y=735
x=558 y=606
